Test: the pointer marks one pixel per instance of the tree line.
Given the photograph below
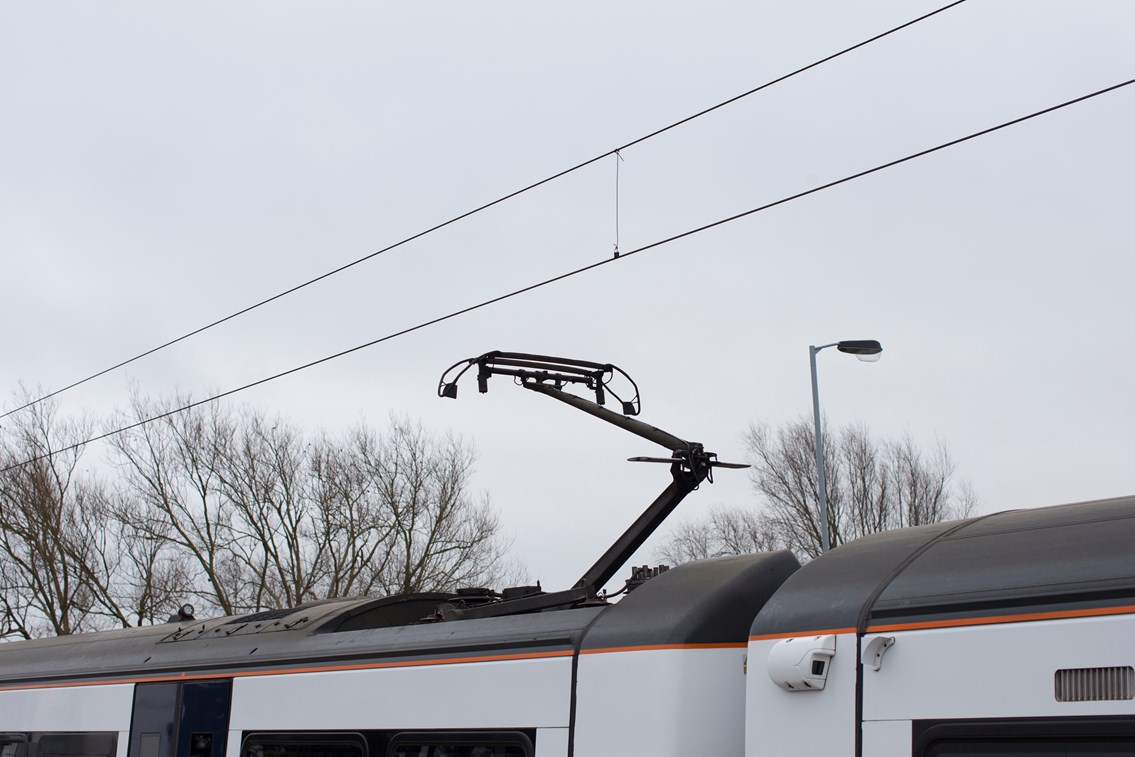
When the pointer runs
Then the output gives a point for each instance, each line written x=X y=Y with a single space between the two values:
x=232 y=510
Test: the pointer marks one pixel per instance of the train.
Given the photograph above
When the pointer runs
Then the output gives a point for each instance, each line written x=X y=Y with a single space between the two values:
x=1002 y=634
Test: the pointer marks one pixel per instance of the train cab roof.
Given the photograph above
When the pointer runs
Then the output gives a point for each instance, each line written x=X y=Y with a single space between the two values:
x=706 y=602
x=1018 y=565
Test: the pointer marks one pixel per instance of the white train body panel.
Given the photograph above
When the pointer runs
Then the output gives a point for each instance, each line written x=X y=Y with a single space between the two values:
x=663 y=690
x=498 y=694
x=996 y=671
x=552 y=742
x=815 y=722
x=86 y=708
x=989 y=671
x=887 y=738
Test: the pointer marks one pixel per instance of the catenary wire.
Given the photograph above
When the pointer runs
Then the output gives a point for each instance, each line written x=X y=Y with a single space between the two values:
x=481 y=208
x=577 y=271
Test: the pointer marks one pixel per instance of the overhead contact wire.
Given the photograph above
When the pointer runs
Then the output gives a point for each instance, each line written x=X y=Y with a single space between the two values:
x=577 y=271
x=481 y=208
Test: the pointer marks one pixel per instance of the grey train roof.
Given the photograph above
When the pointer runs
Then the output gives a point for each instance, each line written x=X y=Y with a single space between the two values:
x=1010 y=564
x=711 y=601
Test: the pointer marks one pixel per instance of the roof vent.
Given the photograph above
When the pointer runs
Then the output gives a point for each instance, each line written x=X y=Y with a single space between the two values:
x=642 y=574
x=1095 y=684
x=263 y=615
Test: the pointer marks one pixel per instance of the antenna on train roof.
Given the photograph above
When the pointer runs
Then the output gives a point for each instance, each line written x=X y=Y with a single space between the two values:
x=689 y=463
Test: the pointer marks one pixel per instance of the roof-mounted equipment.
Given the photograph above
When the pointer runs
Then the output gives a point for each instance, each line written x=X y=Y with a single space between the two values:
x=689 y=463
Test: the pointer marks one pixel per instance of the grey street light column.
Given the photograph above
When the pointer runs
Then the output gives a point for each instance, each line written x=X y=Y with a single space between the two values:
x=867 y=350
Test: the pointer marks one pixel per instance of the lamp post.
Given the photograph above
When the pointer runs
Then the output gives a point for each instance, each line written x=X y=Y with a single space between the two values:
x=867 y=350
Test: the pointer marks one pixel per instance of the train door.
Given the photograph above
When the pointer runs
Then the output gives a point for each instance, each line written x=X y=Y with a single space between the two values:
x=173 y=719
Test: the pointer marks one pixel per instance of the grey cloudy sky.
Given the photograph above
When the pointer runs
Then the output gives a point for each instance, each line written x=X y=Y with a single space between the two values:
x=163 y=165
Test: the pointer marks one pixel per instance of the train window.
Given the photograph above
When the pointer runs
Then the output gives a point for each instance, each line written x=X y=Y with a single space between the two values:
x=1033 y=748
x=13 y=745
x=74 y=744
x=1027 y=737
x=304 y=745
x=461 y=744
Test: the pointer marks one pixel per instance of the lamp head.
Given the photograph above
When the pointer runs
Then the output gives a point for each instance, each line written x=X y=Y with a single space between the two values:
x=867 y=350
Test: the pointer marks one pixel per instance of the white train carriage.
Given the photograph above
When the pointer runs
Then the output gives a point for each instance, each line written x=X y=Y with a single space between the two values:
x=1003 y=634
x=1007 y=634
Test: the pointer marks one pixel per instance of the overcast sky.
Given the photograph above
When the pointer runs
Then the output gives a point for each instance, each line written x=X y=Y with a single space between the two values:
x=164 y=165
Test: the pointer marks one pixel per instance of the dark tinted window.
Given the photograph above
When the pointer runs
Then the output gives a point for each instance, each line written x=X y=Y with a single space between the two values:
x=74 y=744
x=1047 y=748
x=13 y=745
x=304 y=745
x=1027 y=737
x=453 y=744
x=407 y=749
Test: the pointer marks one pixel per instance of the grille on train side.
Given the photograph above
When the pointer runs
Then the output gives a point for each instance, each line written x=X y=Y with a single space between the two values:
x=1095 y=684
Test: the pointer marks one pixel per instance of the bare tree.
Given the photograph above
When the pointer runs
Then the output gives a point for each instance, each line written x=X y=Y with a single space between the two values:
x=153 y=573
x=441 y=536
x=726 y=531
x=57 y=562
x=353 y=528
x=252 y=514
x=872 y=485
x=171 y=469
x=784 y=473
x=232 y=509
x=263 y=475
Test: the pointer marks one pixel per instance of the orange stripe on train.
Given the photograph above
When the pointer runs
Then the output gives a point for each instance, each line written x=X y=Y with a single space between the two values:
x=984 y=620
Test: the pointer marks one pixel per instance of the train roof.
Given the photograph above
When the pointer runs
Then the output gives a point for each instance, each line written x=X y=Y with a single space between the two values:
x=707 y=602
x=1016 y=565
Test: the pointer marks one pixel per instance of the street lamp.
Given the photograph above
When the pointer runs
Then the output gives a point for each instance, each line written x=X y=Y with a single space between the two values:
x=867 y=350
